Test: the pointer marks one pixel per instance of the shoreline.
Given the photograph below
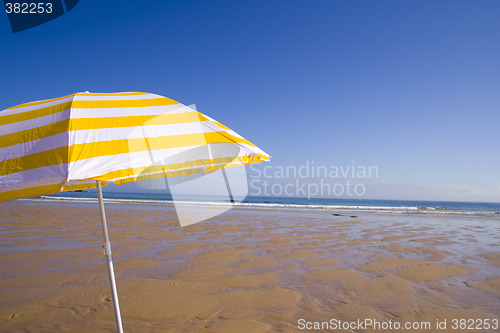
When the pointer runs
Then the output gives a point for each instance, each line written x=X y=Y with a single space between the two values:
x=247 y=270
x=264 y=206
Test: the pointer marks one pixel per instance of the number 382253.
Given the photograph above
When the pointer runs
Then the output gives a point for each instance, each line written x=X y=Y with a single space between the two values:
x=28 y=8
x=474 y=324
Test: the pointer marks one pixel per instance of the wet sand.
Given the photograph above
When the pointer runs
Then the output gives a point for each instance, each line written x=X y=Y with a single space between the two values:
x=247 y=270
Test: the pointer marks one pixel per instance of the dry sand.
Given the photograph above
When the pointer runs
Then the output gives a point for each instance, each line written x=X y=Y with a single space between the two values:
x=243 y=271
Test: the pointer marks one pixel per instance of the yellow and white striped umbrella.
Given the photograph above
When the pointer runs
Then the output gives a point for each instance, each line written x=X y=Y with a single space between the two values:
x=68 y=143
x=82 y=140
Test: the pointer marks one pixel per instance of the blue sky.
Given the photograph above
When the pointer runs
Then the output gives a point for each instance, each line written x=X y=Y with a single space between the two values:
x=409 y=86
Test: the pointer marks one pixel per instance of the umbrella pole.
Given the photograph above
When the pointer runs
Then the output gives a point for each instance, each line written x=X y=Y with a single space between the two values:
x=227 y=186
x=107 y=253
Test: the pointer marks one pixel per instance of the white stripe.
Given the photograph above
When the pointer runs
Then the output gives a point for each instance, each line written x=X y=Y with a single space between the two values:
x=144 y=174
x=211 y=119
x=29 y=184
x=96 y=166
x=234 y=133
x=35 y=146
x=128 y=133
x=199 y=168
x=248 y=150
x=35 y=107
x=113 y=97
x=133 y=111
x=33 y=123
x=103 y=134
x=53 y=174
x=223 y=129
x=80 y=97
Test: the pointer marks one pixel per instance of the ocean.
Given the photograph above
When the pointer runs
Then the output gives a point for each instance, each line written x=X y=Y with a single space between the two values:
x=354 y=205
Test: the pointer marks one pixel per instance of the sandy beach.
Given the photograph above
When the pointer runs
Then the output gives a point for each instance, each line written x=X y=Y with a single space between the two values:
x=247 y=270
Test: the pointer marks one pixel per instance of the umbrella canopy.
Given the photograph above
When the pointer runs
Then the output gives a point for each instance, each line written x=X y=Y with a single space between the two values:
x=67 y=143
x=81 y=140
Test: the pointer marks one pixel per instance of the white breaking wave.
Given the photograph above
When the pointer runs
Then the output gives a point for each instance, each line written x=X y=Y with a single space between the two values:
x=264 y=205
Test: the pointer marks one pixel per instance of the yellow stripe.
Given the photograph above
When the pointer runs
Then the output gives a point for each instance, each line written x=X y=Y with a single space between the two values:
x=38 y=102
x=33 y=114
x=44 y=190
x=106 y=148
x=125 y=175
x=116 y=147
x=41 y=112
x=34 y=134
x=29 y=192
x=233 y=138
x=77 y=94
x=168 y=169
x=130 y=173
x=134 y=121
x=122 y=103
x=264 y=158
x=222 y=126
x=37 y=160
x=172 y=170
x=133 y=93
x=75 y=187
